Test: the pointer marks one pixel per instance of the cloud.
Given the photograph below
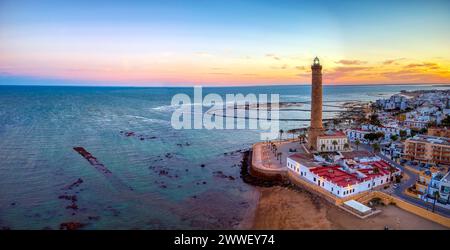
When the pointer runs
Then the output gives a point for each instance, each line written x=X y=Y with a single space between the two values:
x=428 y=65
x=273 y=56
x=350 y=69
x=351 y=62
x=392 y=61
x=300 y=67
x=344 y=73
x=220 y=73
x=284 y=66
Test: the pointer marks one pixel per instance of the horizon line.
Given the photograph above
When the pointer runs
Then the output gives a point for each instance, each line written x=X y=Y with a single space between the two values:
x=223 y=86
x=55 y=81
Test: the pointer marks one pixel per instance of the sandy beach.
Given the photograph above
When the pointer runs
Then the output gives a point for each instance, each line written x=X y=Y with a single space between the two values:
x=284 y=208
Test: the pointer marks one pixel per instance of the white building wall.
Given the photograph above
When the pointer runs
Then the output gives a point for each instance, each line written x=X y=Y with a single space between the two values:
x=303 y=172
x=328 y=142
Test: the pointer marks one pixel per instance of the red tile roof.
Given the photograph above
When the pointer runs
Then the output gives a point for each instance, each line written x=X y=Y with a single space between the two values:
x=382 y=167
x=335 y=175
x=334 y=134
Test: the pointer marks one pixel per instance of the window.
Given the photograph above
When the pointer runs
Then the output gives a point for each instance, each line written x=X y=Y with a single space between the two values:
x=331 y=189
x=314 y=178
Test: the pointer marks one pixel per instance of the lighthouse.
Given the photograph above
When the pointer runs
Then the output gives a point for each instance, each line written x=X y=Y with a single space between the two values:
x=316 y=128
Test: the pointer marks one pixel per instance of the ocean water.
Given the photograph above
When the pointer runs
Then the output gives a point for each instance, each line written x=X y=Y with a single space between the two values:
x=39 y=126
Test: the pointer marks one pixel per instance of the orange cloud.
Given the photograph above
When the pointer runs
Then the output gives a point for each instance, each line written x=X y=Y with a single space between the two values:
x=273 y=56
x=428 y=65
x=351 y=62
x=392 y=61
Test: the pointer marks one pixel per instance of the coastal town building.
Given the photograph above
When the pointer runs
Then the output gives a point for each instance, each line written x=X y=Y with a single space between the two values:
x=426 y=148
x=394 y=150
x=353 y=172
x=422 y=116
x=434 y=181
x=332 y=141
x=387 y=131
x=358 y=134
x=399 y=102
x=441 y=132
x=416 y=123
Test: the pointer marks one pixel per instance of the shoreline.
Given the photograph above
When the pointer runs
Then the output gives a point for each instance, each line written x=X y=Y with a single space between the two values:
x=282 y=208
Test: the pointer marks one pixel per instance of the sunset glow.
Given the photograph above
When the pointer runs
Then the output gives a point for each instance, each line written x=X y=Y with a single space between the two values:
x=225 y=42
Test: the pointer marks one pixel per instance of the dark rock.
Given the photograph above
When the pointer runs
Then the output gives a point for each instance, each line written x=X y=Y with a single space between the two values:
x=72 y=198
x=94 y=218
x=71 y=226
x=72 y=206
x=163 y=172
x=74 y=184
x=130 y=133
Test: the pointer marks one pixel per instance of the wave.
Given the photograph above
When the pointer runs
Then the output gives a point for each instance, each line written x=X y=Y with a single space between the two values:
x=151 y=120
x=167 y=108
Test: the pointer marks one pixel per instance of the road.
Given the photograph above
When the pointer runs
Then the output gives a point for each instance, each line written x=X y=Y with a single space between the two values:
x=399 y=192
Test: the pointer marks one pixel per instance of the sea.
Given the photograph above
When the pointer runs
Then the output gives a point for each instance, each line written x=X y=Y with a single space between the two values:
x=157 y=177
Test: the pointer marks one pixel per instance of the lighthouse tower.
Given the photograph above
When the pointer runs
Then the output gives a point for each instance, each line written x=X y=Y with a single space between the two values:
x=316 y=127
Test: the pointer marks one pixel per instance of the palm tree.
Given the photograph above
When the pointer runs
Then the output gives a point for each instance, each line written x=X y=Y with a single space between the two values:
x=335 y=143
x=281 y=133
x=346 y=146
x=301 y=138
x=375 y=147
x=280 y=154
x=322 y=147
x=292 y=132
x=436 y=196
x=357 y=142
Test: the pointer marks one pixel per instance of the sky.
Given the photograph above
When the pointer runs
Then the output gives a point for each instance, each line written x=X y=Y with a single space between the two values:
x=185 y=43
